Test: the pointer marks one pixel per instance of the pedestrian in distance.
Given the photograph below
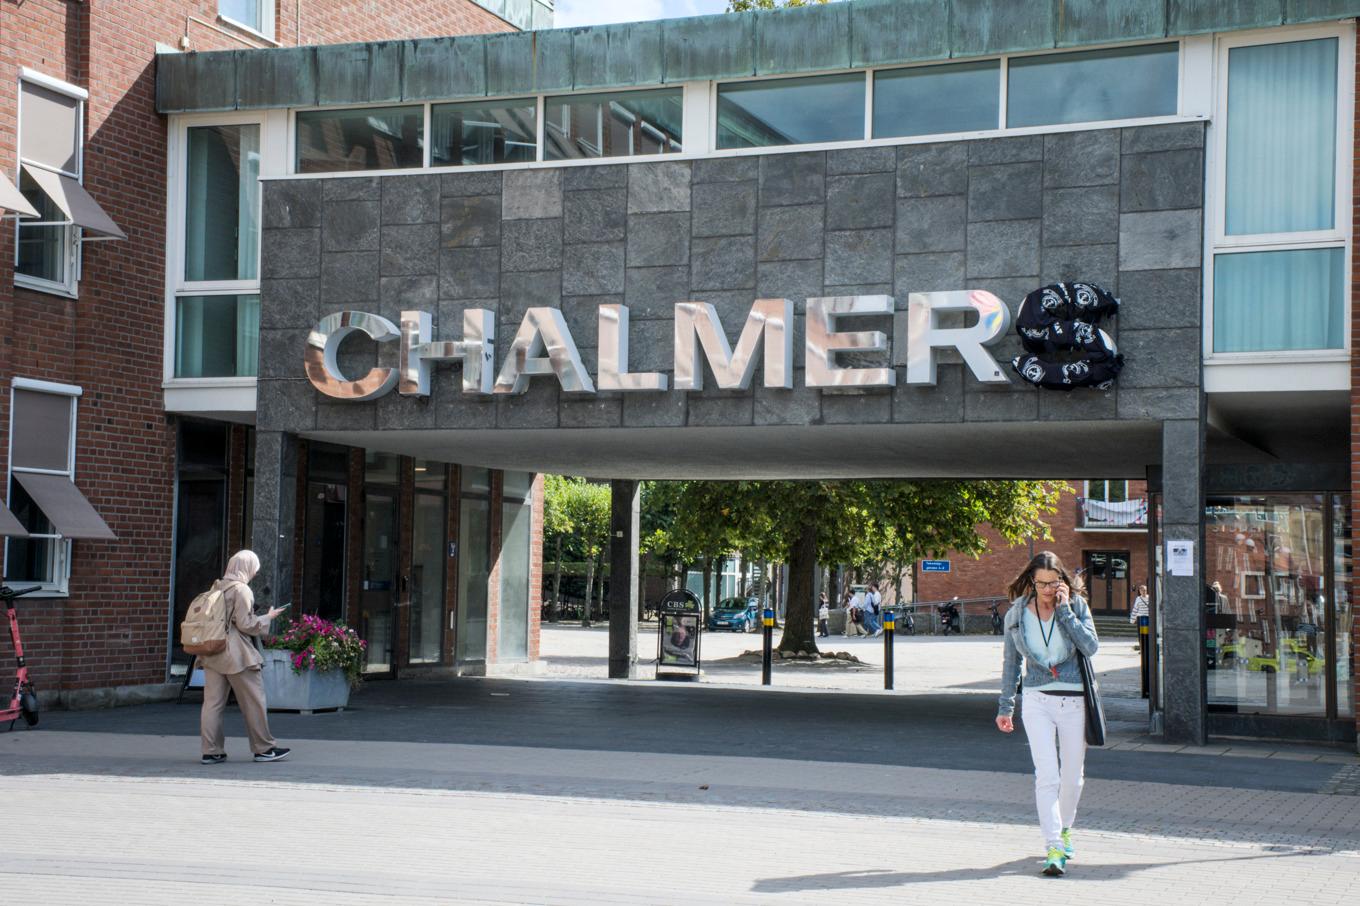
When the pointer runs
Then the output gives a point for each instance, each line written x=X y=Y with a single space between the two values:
x=823 y=616
x=872 y=604
x=1140 y=609
x=854 y=615
x=237 y=668
x=1047 y=624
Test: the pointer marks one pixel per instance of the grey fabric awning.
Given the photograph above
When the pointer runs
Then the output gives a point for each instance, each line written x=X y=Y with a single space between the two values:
x=69 y=195
x=10 y=527
x=64 y=506
x=12 y=200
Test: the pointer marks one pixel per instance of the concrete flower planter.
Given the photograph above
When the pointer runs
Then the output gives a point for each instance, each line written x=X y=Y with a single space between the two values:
x=308 y=691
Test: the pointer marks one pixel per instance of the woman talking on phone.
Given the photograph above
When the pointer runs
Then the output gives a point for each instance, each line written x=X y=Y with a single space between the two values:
x=1047 y=625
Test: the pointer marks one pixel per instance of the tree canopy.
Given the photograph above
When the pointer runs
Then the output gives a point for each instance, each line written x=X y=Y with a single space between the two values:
x=745 y=6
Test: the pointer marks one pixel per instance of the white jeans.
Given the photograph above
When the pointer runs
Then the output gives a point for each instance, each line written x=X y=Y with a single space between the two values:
x=1054 y=722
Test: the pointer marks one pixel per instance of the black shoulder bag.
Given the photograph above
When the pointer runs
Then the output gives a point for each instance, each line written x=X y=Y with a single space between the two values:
x=1090 y=693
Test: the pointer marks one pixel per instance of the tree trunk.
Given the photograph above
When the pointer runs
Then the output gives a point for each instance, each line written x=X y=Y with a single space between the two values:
x=557 y=581
x=590 y=588
x=600 y=609
x=800 y=618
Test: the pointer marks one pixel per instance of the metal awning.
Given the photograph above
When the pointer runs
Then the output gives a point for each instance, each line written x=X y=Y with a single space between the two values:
x=12 y=200
x=10 y=527
x=69 y=195
x=64 y=506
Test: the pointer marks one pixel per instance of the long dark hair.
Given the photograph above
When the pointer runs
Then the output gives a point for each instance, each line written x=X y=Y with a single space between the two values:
x=1023 y=585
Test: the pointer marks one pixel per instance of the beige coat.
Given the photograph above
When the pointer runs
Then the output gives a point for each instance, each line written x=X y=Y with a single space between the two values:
x=240 y=654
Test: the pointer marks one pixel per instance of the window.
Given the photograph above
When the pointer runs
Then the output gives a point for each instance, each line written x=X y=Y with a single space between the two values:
x=428 y=561
x=1279 y=264
x=791 y=111
x=502 y=132
x=617 y=124
x=217 y=336
x=927 y=100
x=516 y=550
x=1089 y=86
x=474 y=563
x=370 y=138
x=256 y=15
x=1107 y=491
x=1107 y=505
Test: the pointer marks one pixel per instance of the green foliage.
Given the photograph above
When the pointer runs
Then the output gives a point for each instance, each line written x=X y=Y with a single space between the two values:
x=745 y=6
x=575 y=511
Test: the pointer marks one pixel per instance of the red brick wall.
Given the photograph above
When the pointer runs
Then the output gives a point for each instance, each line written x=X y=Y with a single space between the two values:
x=339 y=21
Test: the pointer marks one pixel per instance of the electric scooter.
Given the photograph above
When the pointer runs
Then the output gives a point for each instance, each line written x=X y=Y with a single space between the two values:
x=24 y=701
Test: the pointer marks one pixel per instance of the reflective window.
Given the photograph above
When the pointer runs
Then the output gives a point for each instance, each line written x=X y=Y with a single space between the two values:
x=616 y=124
x=1093 y=85
x=50 y=140
x=1341 y=601
x=791 y=111
x=372 y=138
x=1292 y=299
x=474 y=571
x=217 y=336
x=428 y=560
x=41 y=425
x=927 y=100
x=43 y=251
x=500 y=132
x=257 y=15
x=222 y=203
x=516 y=548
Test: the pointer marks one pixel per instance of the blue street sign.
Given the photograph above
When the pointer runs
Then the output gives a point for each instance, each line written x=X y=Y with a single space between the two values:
x=934 y=566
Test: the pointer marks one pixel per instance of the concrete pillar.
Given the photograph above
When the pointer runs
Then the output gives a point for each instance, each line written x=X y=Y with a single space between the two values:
x=275 y=516
x=624 y=519
x=1181 y=609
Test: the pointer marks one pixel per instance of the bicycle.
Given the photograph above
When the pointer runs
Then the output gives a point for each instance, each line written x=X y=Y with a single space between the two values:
x=24 y=701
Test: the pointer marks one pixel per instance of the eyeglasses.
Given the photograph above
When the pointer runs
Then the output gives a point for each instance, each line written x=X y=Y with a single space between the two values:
x=1054 y=584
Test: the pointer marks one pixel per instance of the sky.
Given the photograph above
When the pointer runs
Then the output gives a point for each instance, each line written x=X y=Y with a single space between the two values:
x=599 y=12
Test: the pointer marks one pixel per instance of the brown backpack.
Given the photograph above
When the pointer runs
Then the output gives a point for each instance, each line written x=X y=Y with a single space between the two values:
x=204 y=630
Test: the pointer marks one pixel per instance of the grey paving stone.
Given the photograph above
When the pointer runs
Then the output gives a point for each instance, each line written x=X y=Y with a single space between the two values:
x=1162 y=181
x=794 y=280
x=861 y=160
x=458 y=184
x=537 y=407
x=1096 y=264
x=289 y=303
x=726 y=169
x=522 y=291
x=1160 y=358
x=469 y=273
x=290 y=253
x=1162 y=298
x=1009 y=150
x=929 y=272
x=653 y=292
x=857 y=408
x=720 y=410
x=942 y=403
x=351 y=188
x=1140 y=139
x=410 y=199
x=292 y=204
x=414 y=293
x=653 y=410
x=608 y=176
x=598 y=412
x=776 y=406
x=349 y=277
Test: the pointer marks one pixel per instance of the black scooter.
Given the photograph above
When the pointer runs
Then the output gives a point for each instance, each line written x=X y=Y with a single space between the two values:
x=950 y=620
x=997 y=622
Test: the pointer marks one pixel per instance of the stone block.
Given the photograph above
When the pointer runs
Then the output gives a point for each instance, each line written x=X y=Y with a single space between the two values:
x=349 y=277
x=410 y=248
x=658 y=187
x=289 y=303
x=652 y=292
x=938 y=224
x=470 y=221
x=1005 y=192
x=726 y=169
x=658 y=239
x=789 y=233
x=350 y=226
x=290 y=253
x=1160 y=358
x=1162 y=181
x=292 y=204
x=472 y=273
x=859 y=257
x=942 y=403
x=1082 y=404
x=521 y=292
x=793 y=280
x=717 y=264
x=1159 y=240
x=1007 y=248
x=531 y=245
x=1098 y=264
x=939 y=169
x=651 y=346
x=593 y=269
x=414 y=293
x=720 y=411
x=926 y=273
x=1159 y=299
x=653 y=410
x=724 y=209
x=351 y=188
x=1010 y=150
x=531 y=194
x=405 y=413
x=1171 y=137
x=1157 y=403
x=776 y=406
x=286 y=406
x=410 y=199
x=1081 y=158
x=1019 y=404
x=709 y=47
x=1081 y=216
x=595 y=215
x=863 y=407
x=460 y=184
x=456 y=409
x=1012 y=291
x=448 y=322
x=849 y=161
x=860 y=202
x=582 y=314
x=597 y=412
x=536 y=407
x=281 y=353
x=793 y=179
x=604 y=176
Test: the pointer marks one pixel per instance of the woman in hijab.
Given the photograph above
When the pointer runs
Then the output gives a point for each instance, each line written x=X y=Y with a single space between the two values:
x=237 y=667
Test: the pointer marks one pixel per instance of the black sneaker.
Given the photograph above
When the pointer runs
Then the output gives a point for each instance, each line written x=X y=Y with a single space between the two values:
x=214 y=759
x=274 y=754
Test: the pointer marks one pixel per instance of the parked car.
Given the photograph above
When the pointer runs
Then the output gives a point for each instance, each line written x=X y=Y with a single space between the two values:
x=736 y=614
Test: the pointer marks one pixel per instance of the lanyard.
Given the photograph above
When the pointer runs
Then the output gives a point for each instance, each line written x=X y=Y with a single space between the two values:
x=1048 y=637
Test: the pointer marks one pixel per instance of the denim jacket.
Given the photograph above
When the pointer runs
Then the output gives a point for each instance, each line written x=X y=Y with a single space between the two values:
x=1075 y=622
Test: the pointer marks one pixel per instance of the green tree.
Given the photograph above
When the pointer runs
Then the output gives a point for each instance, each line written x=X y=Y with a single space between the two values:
x=587 y=507
x=557 y=525
x=745 y=6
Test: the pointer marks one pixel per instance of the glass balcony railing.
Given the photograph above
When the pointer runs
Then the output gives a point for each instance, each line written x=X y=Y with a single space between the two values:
x=1126 y=515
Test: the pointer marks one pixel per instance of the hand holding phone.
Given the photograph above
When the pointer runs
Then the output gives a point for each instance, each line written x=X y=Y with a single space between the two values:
x=275 y=611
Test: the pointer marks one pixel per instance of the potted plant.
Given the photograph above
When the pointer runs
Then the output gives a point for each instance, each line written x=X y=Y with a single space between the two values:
x=312 y=665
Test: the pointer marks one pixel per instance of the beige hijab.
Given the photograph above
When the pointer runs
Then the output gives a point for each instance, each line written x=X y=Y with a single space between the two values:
x=242 y=567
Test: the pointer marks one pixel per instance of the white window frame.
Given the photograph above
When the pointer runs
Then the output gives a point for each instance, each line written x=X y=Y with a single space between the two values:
x=265 y=10
x=69 y=285
x=1217 y=240
x=59 y=564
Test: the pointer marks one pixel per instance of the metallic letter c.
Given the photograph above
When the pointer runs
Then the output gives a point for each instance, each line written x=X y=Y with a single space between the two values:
x=323 y=345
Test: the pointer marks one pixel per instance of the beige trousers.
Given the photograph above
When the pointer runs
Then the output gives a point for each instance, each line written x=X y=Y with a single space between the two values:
x=249 y=688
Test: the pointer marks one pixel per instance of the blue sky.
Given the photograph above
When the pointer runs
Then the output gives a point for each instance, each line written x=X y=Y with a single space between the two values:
x=598 y=12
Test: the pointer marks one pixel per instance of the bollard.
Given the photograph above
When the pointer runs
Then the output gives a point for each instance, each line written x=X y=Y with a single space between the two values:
x=1143 y=656
x=889 y=625
x=766 y=661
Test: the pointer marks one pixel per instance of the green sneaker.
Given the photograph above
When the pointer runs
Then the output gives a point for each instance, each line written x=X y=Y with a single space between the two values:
x=1055 y=866
x=1068 y=850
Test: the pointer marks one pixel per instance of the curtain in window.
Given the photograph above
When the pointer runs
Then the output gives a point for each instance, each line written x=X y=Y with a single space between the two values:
x=247 y=336
x=222 y=210
x=248 y=205
x=1281 y=159
x=1279 y=300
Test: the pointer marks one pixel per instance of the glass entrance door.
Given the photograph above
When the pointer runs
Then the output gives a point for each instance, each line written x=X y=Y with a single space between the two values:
x=378 y=588
x=1107 y=581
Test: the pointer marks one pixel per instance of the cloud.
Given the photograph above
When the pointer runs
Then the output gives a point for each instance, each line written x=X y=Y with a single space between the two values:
x=571 y=13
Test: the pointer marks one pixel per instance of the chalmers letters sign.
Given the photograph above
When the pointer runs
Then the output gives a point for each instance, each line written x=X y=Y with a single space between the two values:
x=543 y=346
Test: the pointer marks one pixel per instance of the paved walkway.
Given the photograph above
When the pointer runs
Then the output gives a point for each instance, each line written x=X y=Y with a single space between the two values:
x=486 y=791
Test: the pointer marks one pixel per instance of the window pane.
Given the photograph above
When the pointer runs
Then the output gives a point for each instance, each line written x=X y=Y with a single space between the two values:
x=427 y=578
x=222 y=204
x=42 y=249
x=618 y=124
x=1279 y=300
x=791 y=111
x=1093 y=85
x=476 y=481
x=217 y=336
x=1281 y=162
x=925 y=100
x=518 y=485
x=246 y=12
x=504 y=132
x=373 y=138
x=513 y=628
x=1341 y=603
x=474 y=573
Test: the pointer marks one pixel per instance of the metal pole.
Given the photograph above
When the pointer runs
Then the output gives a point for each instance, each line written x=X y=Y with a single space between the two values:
x=1143 y=654
x=889 y=630
x=767 y=656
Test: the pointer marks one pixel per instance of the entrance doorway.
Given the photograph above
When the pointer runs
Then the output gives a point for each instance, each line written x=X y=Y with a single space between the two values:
x=378 y=592
x=1107 y=581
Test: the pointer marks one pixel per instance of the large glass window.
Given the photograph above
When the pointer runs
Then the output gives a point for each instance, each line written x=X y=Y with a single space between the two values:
x=256 y=15
x=427 y=563
x=516 y=548
x=616 y=124
x=791 y=111
x=928 y=100
x=1280 y=300
x=370 y=138
x=495 y=132
x=50 y=147
x=217 y=336
x=222 y=203
x=41 y=431
x=474 y=563
x=1093 y=85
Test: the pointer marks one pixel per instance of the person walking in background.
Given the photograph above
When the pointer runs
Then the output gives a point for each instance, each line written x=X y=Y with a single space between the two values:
x=1047 y=625
x=237 y=667
x=823 y=615
x=872 y=603
x=854 y=615
x=1140 y=609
